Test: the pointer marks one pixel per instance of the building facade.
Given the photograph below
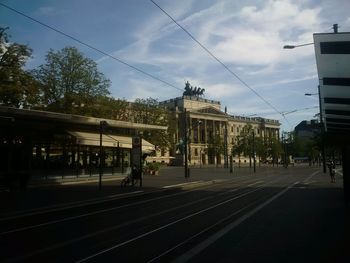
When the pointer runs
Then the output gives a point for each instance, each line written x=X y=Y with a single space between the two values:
x=207 y=126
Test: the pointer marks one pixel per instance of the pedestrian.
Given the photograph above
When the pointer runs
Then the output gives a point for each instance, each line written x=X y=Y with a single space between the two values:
x=331 y=167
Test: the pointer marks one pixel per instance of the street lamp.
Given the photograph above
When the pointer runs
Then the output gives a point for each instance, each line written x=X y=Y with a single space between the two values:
x=103 y=125
x=323 y=153
x=187 y=174
x=254 y=152
x=294 y=46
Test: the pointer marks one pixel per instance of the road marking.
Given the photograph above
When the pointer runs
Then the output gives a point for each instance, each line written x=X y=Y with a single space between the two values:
x=312 y=175
x=203 y=245
x=164 y=226
x=177 y=185
x=91 y=181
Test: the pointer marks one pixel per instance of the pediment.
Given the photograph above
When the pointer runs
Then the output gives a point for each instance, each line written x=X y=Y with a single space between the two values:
x=210 y=110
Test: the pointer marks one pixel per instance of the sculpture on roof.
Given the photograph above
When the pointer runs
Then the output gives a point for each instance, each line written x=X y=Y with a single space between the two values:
x=192 y=91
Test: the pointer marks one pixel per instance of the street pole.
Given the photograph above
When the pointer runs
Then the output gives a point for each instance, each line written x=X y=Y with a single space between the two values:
x=185 y=144
x=323 y=152
x=103 y=125
x=100 y=167
x=141 y=167
x=254 y=158
x=225 y=144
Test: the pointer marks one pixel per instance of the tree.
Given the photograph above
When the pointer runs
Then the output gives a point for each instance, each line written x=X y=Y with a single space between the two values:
x=246 y=141
x=261 y=148
x=102 y=107
x=148 y=111
x=69 y=79
x=275 y=149
x=17 y=87
x=237 y=149
x=216 y=147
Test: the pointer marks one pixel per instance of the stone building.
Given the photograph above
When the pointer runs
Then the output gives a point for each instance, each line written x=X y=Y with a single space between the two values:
x=205 y=123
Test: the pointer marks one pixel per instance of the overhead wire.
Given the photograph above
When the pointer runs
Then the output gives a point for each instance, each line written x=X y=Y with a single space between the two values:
x=90 y=46
x=219 y=61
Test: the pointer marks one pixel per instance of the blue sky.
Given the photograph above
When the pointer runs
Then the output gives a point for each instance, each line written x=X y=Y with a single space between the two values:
x=247 y=36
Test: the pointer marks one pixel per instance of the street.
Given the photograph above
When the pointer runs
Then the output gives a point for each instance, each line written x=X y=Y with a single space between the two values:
x=275 y=215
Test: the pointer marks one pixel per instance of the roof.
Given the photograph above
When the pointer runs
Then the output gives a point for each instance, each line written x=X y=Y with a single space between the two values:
x=74 y=119
x=108 y=140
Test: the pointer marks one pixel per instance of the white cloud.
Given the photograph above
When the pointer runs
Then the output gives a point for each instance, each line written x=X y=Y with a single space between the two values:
x=221 y=90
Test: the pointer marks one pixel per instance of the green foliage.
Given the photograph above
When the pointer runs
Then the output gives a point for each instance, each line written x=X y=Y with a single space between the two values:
x=102 y=107
x=153 y=166
x=148 y=111
x=216 y=145
x=69 y=79
x=17 y=87
x=244 y=142
x=261 y=147
x=306 y=146
x=275 y=149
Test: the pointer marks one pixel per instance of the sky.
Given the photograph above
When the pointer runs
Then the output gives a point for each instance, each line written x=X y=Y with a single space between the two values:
x=246 y=35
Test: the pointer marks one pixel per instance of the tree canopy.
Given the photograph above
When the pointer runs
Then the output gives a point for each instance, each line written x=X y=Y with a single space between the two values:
x=148 y=111
x=68 y=79
x=17 y=87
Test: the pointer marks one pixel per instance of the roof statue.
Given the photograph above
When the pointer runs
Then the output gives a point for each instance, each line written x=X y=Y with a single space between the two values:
x=192 y=91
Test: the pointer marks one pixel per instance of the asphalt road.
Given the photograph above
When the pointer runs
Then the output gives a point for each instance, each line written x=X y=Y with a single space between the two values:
x=275 y=215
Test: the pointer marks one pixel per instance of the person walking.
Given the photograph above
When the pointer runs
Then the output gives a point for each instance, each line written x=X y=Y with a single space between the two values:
x=331 y=167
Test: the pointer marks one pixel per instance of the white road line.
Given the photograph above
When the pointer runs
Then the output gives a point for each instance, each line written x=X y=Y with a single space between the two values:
x=203 y=245
x=177 y=185
x=312 y=175
x=164 y=226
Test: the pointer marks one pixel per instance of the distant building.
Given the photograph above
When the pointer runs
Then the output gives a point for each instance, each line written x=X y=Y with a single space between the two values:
x=307 y=129
x=205 y=122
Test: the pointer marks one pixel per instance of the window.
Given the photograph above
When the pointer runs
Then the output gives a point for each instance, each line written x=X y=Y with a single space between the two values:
x=337 y=101
x=336 y=47
x=195 y=152
x=336 y=81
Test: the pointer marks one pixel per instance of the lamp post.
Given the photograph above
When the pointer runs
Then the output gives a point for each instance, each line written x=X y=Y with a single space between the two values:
x=335 y=28
x=295 y=46
x=254 y=152
x=323 y=152
x=225 y=143
x=186 y=144
x=103 y=125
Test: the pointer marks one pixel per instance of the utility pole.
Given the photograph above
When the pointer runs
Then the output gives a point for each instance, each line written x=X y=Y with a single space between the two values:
x=103 y=125
x=323 y=152
x=254 y=152
x=225 y=143
x=185 y=144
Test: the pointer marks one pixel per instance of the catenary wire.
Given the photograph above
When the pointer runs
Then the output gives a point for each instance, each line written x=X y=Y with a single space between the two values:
x=219 y=61
x=136 y=68
x=90 y=46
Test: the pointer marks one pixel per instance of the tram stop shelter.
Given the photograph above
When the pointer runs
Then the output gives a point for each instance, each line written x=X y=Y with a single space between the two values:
x=42 y=144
